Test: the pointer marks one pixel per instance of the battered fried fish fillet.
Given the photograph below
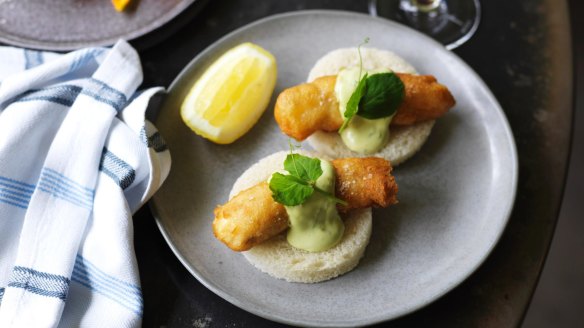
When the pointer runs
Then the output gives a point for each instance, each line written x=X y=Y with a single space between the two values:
x=309 y=107
x=364 y=182
x=425 y=99
x=252 y=216
x=249 y=218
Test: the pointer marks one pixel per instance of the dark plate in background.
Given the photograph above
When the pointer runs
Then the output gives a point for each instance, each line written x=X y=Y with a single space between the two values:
x=71 y=24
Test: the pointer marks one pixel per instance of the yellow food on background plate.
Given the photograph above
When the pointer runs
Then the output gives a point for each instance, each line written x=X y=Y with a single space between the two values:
x=232 y=94
x=120 y=5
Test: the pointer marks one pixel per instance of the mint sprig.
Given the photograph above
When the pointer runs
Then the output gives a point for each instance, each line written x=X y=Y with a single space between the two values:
x=375 y=96
x=384 y=93
x=289 y=190
x=305 y=168
x=296 y=187
x=353 y=103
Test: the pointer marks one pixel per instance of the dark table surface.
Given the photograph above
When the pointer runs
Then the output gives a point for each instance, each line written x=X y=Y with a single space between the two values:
x=522 y=50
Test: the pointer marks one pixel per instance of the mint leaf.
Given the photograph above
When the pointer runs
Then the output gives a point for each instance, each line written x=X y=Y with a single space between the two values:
x=305 y=168
x=353 y=103
x=382 y=97
x=289 y=190
x=293 y=189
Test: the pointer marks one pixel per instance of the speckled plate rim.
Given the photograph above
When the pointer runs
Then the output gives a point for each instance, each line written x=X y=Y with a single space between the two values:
x=66 y=46
x=478 y=261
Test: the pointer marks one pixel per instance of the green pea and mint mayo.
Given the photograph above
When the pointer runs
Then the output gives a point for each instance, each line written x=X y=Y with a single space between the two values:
x=361 y=135
x=315 y=225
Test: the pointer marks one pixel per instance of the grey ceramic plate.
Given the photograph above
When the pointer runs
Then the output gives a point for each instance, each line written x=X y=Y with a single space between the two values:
x=71 y=24
x=455 y=195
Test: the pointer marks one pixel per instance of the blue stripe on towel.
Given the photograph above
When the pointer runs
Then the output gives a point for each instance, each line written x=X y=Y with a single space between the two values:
x=66 y=94
x=26 y=186
x=121 y=292
x=114 y=167
x=59 y=186
x=102 y=92
x=15 y=193
x=84 y=56
x=67 y=181
x=9 y=191
x=15 y=204
x=41 y=283
x=143 y=137
x=61 y=94
x=49 y=182
x=32 y=58
x=1 y=294
x=64 y=196
x=157 y=142
x=14 y=200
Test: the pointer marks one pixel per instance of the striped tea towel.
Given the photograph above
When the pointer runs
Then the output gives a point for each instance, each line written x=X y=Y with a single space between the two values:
x=77 y=158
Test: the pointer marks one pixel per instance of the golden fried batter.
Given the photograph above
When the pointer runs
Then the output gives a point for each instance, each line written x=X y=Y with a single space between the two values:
x=309 y=107
x=304 y=109
x=249 y=218
x=425 y=99
x=364 y=182
x=252 y=216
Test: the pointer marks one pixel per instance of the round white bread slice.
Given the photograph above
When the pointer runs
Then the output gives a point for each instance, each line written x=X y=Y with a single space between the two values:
x=404 y=142
x=279 y=259
x=334 y=61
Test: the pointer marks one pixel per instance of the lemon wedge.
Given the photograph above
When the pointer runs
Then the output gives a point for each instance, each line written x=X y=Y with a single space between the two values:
x=231 y=95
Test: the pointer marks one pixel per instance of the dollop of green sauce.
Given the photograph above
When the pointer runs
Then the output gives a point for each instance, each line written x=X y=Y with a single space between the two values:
x=315 y=225
x=361 y=135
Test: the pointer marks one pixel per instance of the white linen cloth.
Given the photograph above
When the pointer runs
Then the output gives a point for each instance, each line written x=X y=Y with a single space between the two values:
x=77 y=158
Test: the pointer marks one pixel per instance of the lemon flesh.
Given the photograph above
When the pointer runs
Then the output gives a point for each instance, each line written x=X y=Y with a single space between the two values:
x=231 y=95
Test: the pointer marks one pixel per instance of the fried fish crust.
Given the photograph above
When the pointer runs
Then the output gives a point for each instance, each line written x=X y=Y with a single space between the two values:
x=252 y=216
x=425 y=99
x=364 y=182
x=249 y=218
x=309 y=107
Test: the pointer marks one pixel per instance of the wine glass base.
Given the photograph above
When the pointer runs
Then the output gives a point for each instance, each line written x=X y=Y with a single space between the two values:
x=452 y=23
